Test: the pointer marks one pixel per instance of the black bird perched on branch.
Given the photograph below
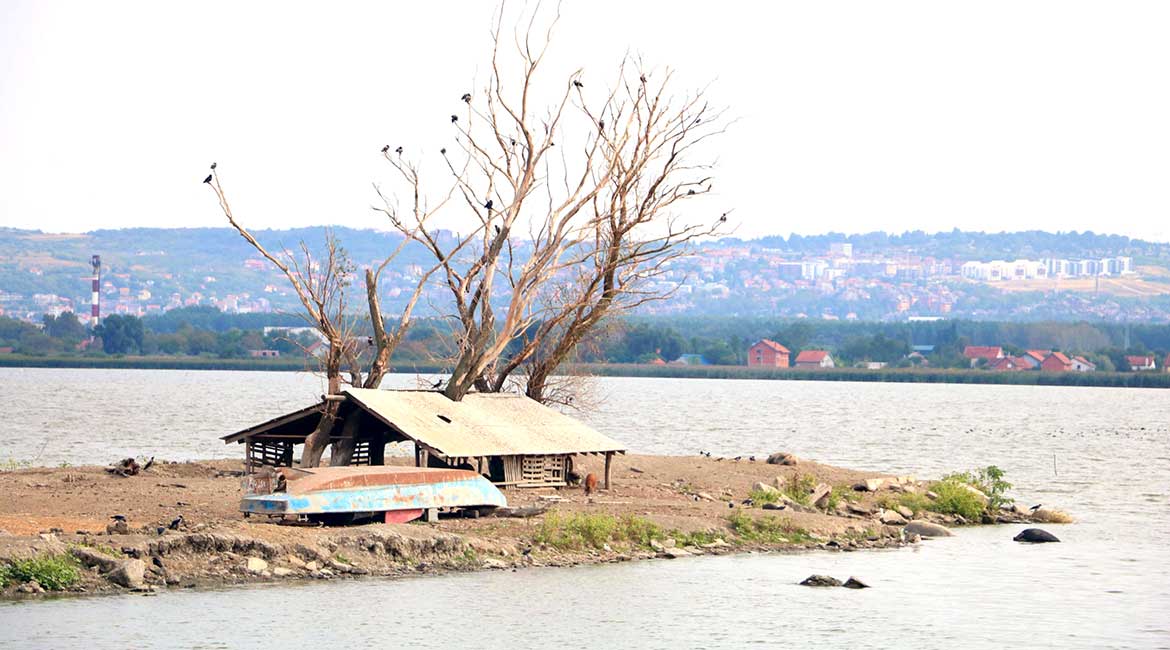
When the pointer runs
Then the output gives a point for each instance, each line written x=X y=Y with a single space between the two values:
x=578 y=84
x=443 y=151
x=454 y=119
x=690 y=192
x=498 y=232
x=642 y=78
x=513 y=142
x=208 y=179
x=437 y=384
x=466 y=97
x=175 y=523
x=385 y=148
x=488 y=205
x=213 y=166
x=398 y=151
x=723 y=217
x=600 y=125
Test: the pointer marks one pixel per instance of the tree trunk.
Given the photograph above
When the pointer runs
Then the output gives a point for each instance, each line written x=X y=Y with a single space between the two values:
x=342 y=452
x=316 y=442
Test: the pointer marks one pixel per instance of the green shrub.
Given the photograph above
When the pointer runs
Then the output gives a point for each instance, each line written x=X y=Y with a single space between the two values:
x=916 y=502
x=53 y=572
x=767 y=530
x=955 y=499
x=764 y=496
x=799 y=488
x=695 y=538
x=988 y=480
x=840 y=493
x=582 y=530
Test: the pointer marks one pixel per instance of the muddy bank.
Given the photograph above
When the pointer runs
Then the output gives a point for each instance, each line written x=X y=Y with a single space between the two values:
x=665 y=507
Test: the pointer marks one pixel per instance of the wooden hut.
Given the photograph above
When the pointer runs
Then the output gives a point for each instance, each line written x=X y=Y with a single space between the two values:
x=508 y=438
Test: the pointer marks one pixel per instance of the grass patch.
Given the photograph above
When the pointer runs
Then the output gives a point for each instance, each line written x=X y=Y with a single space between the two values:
x=11 y=465
x=100 y=548
x=53 y=572
x=917 y=503
x=764 y=496
x=582 y=530
x=696 y=538
x=767 y=530
x=799 y=488
x=955 y=499
x=840 y=494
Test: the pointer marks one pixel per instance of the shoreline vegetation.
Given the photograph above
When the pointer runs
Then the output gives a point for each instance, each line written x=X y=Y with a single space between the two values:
x=893 y=375
x=83 y=530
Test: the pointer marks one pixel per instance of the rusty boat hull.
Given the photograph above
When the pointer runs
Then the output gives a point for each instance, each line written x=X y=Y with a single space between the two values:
x=373 y=489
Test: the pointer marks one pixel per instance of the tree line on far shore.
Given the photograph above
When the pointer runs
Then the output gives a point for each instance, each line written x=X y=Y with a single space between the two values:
x=209 y=333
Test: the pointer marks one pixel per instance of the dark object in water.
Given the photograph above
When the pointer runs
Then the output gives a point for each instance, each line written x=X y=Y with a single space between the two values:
x=854 y=583
x=1035 y=536
x=820 y=581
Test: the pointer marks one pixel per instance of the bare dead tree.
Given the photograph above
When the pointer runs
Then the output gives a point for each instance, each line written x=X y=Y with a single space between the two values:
x=321 y=284
x=559 y=240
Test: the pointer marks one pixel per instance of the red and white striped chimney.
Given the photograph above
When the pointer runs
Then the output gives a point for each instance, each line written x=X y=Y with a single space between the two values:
x=95 y=312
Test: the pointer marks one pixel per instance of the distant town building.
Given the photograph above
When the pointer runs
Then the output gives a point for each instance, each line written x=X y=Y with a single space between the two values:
x=1057 y=362
x=768 y=353
x=814 y=359
x=1081 y=364
x=1138 y=363
x=264 y=354
x=987 y=353
x=841 y=249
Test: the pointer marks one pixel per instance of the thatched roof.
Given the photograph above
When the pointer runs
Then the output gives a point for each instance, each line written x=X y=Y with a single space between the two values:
x=497 y=424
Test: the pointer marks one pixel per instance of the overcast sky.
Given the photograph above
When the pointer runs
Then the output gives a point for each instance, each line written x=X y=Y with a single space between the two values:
x=852 y=116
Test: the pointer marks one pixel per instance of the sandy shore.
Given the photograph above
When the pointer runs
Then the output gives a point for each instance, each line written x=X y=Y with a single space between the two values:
x=694 y=502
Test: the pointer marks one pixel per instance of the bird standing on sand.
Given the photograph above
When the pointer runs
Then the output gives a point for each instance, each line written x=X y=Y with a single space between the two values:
x=738 y=458
x=752 y=458
x=176 y=522
x=118 y=517
x=208 y=179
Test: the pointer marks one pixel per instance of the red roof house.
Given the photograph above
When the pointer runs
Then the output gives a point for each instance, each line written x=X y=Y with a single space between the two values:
x=1057 y=362
x=768 y=353
x=1033 y=358
x=814 y=359
x=977 y=352
x=1137 y=363
x=1008 y=363
x=1081 y=364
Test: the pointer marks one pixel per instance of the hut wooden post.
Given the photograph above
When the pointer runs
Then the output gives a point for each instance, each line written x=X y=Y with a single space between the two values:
x=608 y=464
x=248 y=455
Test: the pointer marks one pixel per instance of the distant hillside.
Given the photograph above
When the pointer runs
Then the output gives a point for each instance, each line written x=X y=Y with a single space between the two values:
x=886 y=277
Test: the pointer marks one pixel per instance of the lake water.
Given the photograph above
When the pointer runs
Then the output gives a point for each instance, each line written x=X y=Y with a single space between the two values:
x=1102 y=454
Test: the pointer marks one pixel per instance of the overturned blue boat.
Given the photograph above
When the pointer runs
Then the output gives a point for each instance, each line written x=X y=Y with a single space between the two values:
x=386 y=492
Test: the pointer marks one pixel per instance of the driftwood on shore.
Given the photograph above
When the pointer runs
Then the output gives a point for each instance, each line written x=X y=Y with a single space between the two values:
x=521 y=513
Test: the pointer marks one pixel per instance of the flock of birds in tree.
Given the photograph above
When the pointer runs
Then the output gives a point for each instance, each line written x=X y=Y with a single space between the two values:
x=466 y=98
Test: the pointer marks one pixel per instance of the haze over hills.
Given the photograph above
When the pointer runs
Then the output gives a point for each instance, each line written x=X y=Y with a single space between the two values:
x=872 y=276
